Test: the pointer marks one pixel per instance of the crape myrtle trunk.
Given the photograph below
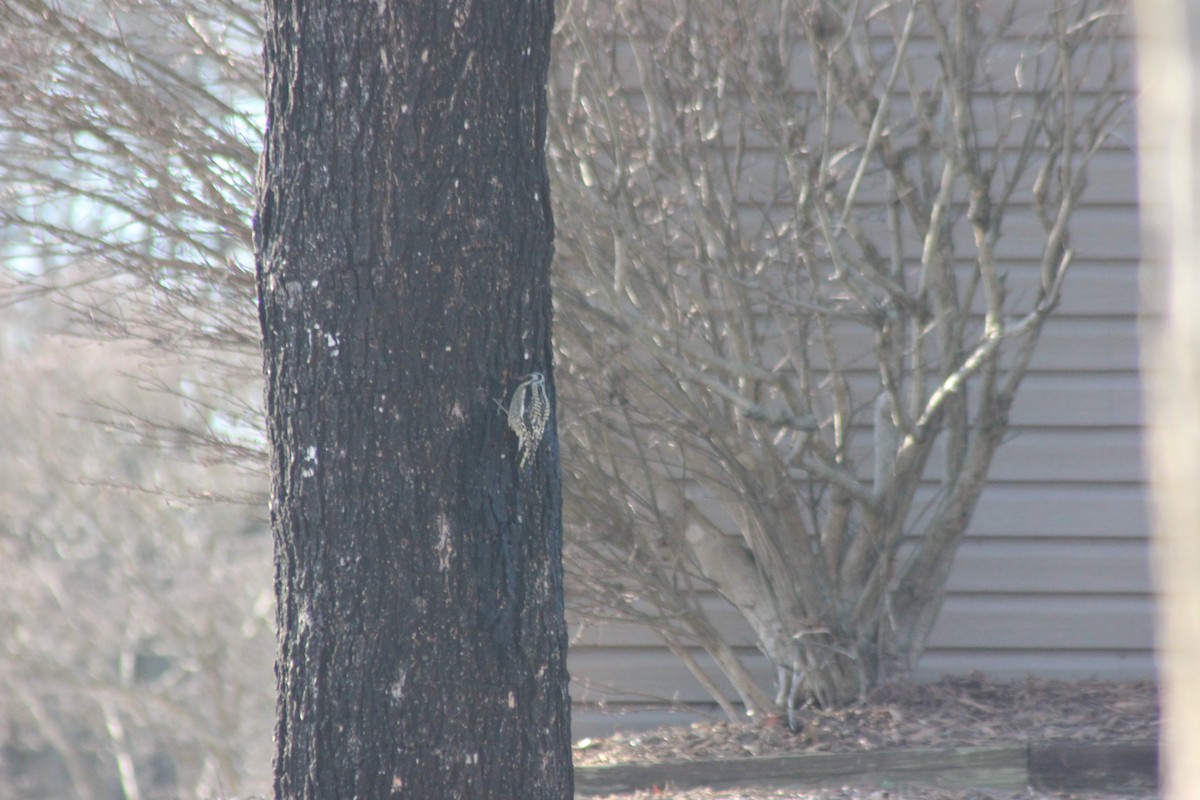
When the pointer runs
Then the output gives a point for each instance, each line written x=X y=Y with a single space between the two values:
x=404 y=240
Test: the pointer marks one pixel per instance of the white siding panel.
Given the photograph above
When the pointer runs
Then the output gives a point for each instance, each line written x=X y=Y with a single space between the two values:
x=1045 y=622
x=1080 y=400
x=1088 y=345
x=1098 y=288
x=1098 y=233
x=1112 y=455
x=1094 y=288
x=1004 y=58
x=611 y=634
x=1063 y=512
x=761 y=179
x=1105 y=455
x=1068 y=344
x=1057 y=399
x=1002 y=593
x=1064 y=665
x=1032 y=566
x=650 y=676
x=647 y=676
x=724 y=616
x=1053 y=578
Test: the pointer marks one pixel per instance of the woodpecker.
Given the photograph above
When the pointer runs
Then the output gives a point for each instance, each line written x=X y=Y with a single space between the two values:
x=528 y=412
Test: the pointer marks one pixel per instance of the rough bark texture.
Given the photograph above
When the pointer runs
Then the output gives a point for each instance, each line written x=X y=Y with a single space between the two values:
x=1169 y=133
x=404 y=239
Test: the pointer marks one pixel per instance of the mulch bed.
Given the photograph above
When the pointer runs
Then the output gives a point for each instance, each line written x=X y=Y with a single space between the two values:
x=954 y=712
x=867 y=793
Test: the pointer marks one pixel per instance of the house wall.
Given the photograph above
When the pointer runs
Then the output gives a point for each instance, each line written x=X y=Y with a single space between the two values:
x=1052 y=579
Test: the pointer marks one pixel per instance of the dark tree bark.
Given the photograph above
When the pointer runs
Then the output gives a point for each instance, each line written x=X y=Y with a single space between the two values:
x=404 y=239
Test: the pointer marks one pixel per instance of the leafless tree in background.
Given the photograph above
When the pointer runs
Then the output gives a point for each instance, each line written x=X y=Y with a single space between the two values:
x=139 y=631
x=806 y=254
x=128 y=140
x=136 y=659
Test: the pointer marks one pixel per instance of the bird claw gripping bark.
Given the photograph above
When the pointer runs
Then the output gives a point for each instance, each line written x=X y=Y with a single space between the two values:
x=528 y=412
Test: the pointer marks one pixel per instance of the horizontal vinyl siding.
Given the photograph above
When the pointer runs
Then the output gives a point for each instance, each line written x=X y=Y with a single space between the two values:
x=1098 y=233
x=1062 y=665
x=1003 y=58
x=1068 y=344
x=1079 y=400
x=1053 y=577
x=996 y=600
x=1112 y=181
x=1046 y=622
x=1063 y=513
x=1004 y=635
x=1094 y=289
x=1051 y=581
x=632 y=678
x=1027 y=566
x=1057 y=455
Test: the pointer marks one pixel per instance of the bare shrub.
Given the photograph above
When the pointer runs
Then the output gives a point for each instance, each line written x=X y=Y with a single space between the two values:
x=806 y=254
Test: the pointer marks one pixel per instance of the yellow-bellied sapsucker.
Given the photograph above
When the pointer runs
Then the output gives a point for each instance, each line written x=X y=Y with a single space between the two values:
x=528 y=413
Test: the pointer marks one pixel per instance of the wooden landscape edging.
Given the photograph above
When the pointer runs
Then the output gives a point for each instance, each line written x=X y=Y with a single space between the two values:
x=1046 y=765
x=1074 y=765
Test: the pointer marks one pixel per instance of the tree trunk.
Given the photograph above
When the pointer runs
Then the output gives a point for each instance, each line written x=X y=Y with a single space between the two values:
x=404 y=239
x=1169 y=140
